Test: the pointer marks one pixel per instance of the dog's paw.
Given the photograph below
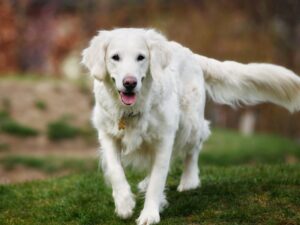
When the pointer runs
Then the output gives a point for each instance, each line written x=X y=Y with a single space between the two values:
x=143 y=185
x=148 y=217
x=188 y=183
x=125 y=204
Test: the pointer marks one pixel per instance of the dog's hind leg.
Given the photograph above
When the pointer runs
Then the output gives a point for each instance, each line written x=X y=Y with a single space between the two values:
x=142 y=185
x=190 y=177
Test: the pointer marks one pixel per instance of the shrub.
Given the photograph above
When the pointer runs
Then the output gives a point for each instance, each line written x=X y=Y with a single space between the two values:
x=41 y=105
x=3 y=116
x=61 y=129
x=9 y=126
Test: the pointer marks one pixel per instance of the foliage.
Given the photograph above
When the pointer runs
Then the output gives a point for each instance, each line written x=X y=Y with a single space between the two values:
x=9 y=126
x=41 y=105
x=62 y=129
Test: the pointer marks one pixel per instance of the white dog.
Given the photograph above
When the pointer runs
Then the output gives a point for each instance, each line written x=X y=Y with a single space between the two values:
x=150 y=99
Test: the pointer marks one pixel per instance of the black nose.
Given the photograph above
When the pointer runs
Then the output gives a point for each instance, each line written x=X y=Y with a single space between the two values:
x=129 y=83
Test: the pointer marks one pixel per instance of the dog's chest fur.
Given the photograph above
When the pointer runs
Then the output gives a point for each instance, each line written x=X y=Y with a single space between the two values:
x=137 y=140
x=138 y=130
x=132 y=128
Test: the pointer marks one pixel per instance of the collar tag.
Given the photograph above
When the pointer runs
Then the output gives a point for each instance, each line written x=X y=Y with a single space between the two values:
x=122 y=124
x=126 y=117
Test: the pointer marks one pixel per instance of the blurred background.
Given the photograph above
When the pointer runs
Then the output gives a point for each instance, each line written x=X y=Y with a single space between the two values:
x=45 y=95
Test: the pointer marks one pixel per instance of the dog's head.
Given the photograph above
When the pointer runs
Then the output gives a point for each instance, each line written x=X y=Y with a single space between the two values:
x=125 y=57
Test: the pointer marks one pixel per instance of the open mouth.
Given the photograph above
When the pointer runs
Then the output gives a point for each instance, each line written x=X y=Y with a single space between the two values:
x=128 y=98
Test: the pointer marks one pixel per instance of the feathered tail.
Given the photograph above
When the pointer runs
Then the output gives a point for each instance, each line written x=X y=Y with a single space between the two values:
x=233 y=83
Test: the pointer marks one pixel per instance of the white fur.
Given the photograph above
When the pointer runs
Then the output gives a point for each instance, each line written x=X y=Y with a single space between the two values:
x=231 y=82
x=168 y=116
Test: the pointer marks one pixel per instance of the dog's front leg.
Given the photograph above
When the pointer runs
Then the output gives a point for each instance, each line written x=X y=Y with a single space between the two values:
x=155 y=199
x=114 y=173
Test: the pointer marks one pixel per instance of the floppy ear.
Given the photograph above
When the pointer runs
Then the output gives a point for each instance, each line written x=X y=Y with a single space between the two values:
x=159 y=54
x=93 y=57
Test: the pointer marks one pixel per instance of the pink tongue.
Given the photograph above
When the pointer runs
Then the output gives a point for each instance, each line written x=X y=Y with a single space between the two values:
x=128 y=99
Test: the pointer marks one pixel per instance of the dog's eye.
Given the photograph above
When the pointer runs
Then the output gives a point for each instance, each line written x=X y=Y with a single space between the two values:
x=140 y=57
x=116 y=57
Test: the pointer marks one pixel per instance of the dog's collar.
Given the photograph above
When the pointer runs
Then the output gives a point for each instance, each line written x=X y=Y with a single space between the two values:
x=126 y=117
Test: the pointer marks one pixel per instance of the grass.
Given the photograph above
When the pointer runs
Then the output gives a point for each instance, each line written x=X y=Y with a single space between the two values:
x=41 y=105
x=48 y=165
x=12 y=127
x=227 y=148
x=245 y=180
x=62 y=129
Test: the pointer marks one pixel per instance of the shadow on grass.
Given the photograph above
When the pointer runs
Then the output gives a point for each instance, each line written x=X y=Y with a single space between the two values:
x=265 y=195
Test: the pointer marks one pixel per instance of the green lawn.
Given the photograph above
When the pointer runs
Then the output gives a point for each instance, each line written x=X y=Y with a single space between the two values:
x=245 y=180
